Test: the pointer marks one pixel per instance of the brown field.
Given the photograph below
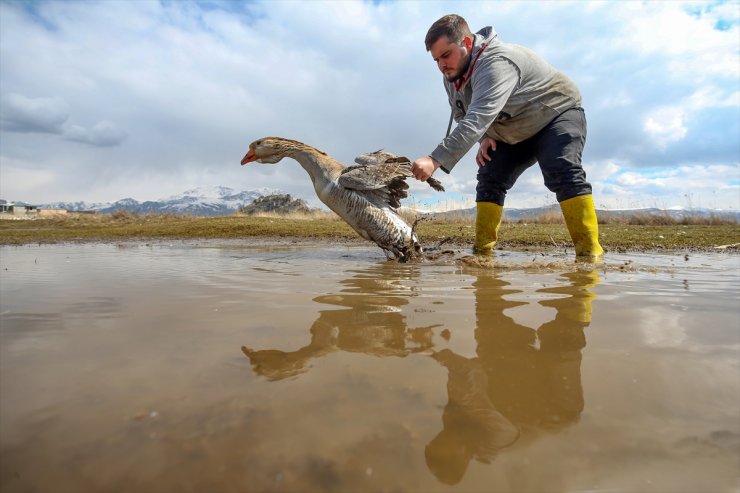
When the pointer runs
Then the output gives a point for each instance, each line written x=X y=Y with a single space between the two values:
x=632 y=233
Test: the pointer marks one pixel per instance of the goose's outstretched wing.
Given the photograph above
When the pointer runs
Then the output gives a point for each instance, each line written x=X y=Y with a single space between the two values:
x=382 y=183
x=381 y=156
x=376 y=157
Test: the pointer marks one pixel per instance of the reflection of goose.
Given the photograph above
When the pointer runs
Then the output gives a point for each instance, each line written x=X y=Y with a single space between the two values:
x=365 y=317
x=366 y=196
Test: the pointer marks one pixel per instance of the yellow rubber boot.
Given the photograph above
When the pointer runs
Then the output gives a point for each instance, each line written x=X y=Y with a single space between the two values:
x=487 y=220
x=580 y=217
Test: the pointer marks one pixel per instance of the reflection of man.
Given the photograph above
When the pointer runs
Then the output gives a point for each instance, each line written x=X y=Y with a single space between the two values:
x=521 y=379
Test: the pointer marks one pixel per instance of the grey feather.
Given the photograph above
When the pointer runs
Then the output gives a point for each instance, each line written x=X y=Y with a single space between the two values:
x=384 y=157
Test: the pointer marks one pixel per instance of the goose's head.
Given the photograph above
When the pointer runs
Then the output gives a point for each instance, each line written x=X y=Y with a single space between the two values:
x=270 y=150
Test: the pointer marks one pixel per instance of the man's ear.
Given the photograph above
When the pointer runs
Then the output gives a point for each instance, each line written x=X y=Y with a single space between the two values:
x=468 y=42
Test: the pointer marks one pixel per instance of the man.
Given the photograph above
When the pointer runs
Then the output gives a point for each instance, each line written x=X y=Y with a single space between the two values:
x=521 y=111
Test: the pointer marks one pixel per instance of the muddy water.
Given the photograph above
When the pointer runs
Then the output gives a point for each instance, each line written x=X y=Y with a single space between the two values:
x=225 y=367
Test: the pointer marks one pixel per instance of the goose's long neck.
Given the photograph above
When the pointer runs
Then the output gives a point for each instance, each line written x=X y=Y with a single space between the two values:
x=318 y=166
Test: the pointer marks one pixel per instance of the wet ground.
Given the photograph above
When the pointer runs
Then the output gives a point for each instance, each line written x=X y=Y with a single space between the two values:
x=228 y=367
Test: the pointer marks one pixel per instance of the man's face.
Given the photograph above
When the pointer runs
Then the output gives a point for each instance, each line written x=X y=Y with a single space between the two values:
x=451 y=58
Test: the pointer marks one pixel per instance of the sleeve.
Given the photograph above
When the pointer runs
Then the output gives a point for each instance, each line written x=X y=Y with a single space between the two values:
x=457 y=112
x=492 y=84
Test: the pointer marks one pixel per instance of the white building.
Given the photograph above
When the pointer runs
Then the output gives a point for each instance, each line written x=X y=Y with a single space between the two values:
x=17 y=209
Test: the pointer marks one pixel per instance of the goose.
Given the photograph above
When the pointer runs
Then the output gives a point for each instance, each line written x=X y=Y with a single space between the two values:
x=366 y=196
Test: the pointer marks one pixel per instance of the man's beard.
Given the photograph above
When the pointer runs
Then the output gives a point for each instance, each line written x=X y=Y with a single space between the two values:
x=462 y=72
x=455 y=78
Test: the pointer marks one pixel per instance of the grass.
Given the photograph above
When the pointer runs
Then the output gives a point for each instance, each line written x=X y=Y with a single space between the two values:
x=663 y=218
x=652 y=218
x=123 y=225
x=547 y=233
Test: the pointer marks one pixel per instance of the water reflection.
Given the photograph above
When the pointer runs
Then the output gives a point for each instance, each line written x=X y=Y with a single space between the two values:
x=522 y=378
x=371 y=322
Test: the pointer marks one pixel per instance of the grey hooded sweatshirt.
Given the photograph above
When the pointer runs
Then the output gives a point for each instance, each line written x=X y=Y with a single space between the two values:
x=509 y=93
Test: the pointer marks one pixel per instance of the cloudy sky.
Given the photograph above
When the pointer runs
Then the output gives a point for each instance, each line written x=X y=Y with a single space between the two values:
x=111 y=99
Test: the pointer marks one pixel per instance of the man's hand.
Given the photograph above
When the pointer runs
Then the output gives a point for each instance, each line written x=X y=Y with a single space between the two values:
x=423 y=167
x=483 y=151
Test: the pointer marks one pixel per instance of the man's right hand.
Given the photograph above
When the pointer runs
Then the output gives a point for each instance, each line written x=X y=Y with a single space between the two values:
x=423 y=167
x=484 y=155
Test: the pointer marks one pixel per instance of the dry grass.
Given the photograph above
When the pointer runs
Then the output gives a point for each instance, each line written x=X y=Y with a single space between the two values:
x=125 y=225
x=552 y=216
x=296 y=216
x=653 y=218
x=663 y=218
x=539 y=233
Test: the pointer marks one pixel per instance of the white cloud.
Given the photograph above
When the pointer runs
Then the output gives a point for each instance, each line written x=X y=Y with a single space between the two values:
x=687 y=186
x=50 y=116
x=632 y=179
x=666 y=125
x=184 y=87
x=103 y=134
x=710 y=96
x=685 y=33
x=19 y=113
x=19 y=179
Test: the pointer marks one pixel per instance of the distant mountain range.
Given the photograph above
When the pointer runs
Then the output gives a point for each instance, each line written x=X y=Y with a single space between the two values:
x=201 y=201
x=514 y=214
x=219 y=201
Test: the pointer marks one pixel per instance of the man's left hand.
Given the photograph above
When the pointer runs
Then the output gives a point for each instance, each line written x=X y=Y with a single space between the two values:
x=423 y=167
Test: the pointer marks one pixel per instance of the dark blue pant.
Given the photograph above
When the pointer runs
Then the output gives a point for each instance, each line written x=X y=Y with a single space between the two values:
x=557 y=148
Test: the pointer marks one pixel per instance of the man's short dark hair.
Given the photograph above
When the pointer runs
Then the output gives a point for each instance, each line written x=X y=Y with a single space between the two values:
x=453 y=26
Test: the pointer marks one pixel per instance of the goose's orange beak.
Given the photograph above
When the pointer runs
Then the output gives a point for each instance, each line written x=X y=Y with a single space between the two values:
x=251 y=156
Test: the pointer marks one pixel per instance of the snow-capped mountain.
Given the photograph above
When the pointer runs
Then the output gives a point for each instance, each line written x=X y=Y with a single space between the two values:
x=201 y=201
x=219 y=200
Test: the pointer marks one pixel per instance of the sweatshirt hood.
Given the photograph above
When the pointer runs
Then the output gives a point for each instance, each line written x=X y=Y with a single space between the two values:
x=487 y=33
x=481 y=40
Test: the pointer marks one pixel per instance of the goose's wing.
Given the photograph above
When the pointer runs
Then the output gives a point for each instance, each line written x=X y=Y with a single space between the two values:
x=376 y=157
x=384 y=183
x=406 y=164
x=381 y=156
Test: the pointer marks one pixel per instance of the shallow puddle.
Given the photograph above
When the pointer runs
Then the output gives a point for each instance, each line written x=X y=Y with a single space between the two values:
x=229 y=367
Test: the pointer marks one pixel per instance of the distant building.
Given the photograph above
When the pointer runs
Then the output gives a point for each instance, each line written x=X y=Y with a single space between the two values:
x=17 y=209
x=53 y=212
